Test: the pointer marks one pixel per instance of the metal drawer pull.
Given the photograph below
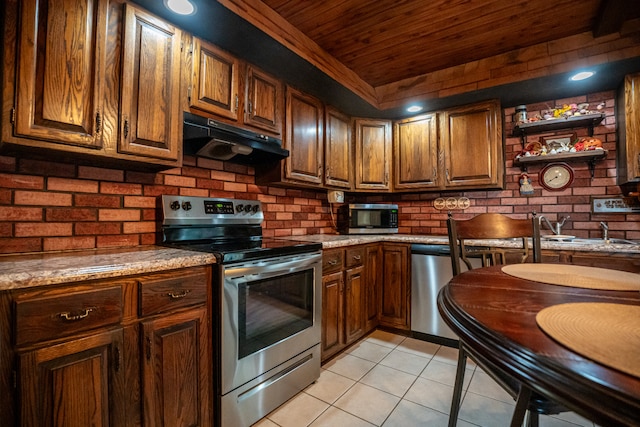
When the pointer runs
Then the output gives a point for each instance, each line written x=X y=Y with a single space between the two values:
x=182 y=294
x=356 y=257
x=332 y=262
x=71 y=317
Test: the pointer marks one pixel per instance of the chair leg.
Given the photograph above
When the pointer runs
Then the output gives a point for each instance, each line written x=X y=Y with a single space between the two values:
x=524 y=396
x=533 y=419
x=457 y=388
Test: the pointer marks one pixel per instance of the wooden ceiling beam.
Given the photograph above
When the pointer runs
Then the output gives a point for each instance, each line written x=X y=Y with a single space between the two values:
x=265 y=19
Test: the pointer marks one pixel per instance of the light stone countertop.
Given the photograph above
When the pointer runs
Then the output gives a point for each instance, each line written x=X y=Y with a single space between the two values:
x=338 y=240
x=32 y=270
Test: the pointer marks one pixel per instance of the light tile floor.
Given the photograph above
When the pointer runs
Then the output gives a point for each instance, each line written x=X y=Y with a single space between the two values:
x=394 y=381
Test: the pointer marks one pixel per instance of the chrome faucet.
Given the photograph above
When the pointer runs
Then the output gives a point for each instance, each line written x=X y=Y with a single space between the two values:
x=605 y=230
x=557 y=229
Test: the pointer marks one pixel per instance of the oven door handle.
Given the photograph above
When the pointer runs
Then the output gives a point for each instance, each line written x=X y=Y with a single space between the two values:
x=272 y=267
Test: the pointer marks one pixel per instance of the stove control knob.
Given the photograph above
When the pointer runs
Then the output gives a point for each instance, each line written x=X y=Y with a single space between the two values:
x=186 y=206
x=239 y=208
x=255 y=208
x=175 y=205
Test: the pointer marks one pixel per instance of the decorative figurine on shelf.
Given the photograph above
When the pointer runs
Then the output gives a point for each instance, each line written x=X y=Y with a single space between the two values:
x=526 y=188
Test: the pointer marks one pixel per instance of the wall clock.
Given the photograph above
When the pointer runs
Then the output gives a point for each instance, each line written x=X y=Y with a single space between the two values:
x=556 y=176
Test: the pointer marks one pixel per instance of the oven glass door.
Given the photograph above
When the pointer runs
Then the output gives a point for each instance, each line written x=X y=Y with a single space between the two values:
x=270 y=313
x=273 y=309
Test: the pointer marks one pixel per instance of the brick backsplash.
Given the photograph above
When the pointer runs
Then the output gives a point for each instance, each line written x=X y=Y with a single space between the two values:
x=49 y=206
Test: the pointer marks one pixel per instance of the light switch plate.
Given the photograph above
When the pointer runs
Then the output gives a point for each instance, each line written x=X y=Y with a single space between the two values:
x=335 y=196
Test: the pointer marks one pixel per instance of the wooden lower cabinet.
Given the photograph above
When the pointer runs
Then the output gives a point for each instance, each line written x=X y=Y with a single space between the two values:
x=362 y=287
x=176 y=363
x=116 y=352
x=395 y=287
x=613 y=260
x=75 y=383
x=343 y=298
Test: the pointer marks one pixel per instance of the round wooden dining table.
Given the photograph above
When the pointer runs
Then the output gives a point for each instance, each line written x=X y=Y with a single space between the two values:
x=494 y=315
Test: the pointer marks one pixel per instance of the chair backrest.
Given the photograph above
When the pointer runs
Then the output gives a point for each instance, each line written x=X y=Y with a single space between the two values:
x=492 y=226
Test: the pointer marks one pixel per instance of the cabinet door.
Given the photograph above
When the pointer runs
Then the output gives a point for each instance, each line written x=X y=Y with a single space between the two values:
x=60 y=71
x=471 y=137
x=214 y=86
x=332 y=313
x=373 y=154
x=394 y=311
x=373 y=272
x=177 y=370
x=263 y=102
x=304 y=138
x=353 y=301
x=628 y=120
x=151 y=116
x=415 y=149
x=76 y=383
x=337 y=150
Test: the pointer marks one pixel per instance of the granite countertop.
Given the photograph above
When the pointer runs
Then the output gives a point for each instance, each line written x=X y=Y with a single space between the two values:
x=31 y=270
x=337 y=240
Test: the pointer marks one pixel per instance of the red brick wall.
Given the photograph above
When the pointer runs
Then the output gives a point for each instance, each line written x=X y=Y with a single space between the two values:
x=48 y=206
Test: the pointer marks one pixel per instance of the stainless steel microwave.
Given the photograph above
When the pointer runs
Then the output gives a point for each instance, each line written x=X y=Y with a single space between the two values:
x=368 y=219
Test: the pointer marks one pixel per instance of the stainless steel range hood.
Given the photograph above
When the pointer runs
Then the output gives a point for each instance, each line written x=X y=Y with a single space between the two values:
x=206 y=137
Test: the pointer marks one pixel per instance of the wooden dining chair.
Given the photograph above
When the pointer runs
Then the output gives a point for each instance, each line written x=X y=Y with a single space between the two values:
x=496 y=226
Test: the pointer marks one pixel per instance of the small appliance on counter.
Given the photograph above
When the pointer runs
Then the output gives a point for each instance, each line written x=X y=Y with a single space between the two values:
x=368 y=219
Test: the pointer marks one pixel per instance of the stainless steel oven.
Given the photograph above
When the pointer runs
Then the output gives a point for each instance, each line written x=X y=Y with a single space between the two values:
x=270 y=333
x=267 y=303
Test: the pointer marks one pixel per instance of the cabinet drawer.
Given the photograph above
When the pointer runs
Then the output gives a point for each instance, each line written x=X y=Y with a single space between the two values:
x=52 y=317
x=332 y=261
x=167 y=292
x=354 y=257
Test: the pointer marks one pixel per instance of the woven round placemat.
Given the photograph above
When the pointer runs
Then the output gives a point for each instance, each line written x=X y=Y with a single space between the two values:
x=606 y=333
x=576 y=276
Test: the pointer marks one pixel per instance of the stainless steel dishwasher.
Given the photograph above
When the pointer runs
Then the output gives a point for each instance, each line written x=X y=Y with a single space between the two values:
x=430 y=271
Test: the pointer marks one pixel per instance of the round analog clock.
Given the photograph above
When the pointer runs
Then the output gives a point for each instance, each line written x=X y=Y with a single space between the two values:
x=556 y=176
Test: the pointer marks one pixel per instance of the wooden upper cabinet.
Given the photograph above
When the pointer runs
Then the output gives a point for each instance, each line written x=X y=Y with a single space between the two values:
x=263 y=101
x=304 y=138
x=373 y=154
x=60 y=65
x=215 y=80
x=337 y=150
x=628 y=120
x=471 y=139
x=151 y=116
x=415 y=153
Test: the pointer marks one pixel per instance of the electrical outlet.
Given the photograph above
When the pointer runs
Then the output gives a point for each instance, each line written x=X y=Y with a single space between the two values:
x=335 y=196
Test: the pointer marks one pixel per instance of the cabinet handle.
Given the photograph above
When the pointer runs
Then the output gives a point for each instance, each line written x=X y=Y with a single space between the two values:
x=386 y=177
x=327 y=173
x=250 y=108
x=236 y=108
x=174 y=295
x=98 y=122
x=447 y=174
x=319 y=171
x=357 y=257
x=72 y=317
x=435 y=175
x=332 y=262
x=126 y=128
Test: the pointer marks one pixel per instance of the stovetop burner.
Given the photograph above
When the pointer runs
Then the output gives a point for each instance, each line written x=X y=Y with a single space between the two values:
x=228 y=228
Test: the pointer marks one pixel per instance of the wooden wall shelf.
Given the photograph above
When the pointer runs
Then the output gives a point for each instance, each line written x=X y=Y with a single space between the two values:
x=583 y=156
x=587 y=120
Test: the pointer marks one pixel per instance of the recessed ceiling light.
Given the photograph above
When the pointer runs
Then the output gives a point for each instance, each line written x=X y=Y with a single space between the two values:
x=582 y=75
x=414 y=109
x=181 y=7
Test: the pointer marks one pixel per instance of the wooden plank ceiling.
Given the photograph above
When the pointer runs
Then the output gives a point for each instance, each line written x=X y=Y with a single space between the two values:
x=386 y=41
